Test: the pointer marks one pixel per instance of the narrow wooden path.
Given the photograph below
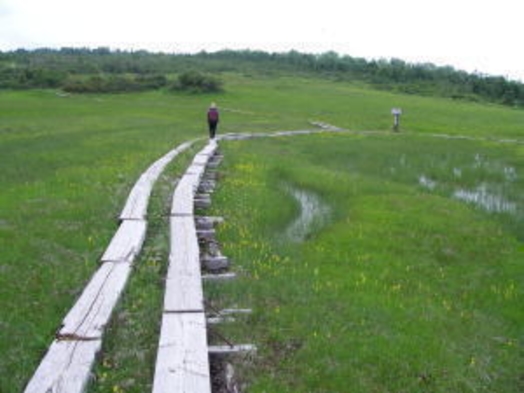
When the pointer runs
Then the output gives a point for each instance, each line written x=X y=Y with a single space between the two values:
x=182 y=359
x=67 y=365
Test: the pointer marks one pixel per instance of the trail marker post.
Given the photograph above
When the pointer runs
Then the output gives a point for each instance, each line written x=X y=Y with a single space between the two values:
x=396 y=112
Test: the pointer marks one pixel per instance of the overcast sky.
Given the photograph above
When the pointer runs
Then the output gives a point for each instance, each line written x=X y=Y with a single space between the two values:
x=473 y=35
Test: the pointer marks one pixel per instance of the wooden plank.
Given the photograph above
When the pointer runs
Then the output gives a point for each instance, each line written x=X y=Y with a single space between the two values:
x=219 y=277
x=204 y=155
x=213 y=164
x=184 y=281
x=213 y=264
x=219 y=320
x=185 y=191
x=202 y=202
x=127 y=242
x=197 y=171
x=234 y=311
x=184 y=294
x=92 y=311
x=136 y=204
x=201 y=159
x=182 y=364
x=207 y=186
x=182 y=204
x=226 y=315
x=207 y=222
x=231 y=350
x=210 y=148
x=207 y=235
x=66 y=367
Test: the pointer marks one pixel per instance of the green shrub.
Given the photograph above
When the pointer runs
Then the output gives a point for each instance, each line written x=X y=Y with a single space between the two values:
x=114 y=83
x=26 y=78
x=197 y=82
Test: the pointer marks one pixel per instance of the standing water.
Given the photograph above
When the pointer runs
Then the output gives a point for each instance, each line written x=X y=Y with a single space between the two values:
x=314 y=213
x=489 y=200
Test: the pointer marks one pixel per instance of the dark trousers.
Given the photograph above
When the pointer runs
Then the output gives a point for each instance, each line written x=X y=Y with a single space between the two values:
x=212 y=129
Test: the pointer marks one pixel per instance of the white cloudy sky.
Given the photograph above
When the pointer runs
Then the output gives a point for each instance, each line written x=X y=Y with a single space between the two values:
x=474 y=35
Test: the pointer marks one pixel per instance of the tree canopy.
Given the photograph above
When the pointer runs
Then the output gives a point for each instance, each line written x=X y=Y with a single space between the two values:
x=105 y=70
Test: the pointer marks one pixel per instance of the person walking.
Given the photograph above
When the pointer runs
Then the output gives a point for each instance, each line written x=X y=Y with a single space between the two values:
x=212 y=120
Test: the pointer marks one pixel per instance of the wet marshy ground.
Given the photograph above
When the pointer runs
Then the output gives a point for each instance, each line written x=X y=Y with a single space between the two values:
x=314 y=213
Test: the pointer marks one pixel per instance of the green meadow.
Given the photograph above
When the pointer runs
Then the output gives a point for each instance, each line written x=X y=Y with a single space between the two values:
x=373 y=261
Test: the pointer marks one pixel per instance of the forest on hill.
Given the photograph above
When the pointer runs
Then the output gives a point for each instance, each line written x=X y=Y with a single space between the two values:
x=105 y=70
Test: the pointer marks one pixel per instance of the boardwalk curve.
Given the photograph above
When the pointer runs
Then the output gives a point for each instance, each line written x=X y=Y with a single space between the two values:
x=182 y=360
x=67 y=365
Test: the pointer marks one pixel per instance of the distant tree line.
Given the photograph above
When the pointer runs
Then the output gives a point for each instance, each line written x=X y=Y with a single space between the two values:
x=104 y=70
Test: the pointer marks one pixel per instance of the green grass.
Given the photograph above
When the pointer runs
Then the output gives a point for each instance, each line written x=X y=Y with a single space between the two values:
x=68 y=164
x=129 y=353
x=405 y=289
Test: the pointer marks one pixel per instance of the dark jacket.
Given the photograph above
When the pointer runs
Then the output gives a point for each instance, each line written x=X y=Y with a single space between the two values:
x=212 y=115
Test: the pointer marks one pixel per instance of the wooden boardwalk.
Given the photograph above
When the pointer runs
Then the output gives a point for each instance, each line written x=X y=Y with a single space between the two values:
x=67 y=365
x=182 y=360
x=183 y=353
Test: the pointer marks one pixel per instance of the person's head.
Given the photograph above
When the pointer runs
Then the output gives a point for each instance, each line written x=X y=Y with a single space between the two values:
x=213 y=105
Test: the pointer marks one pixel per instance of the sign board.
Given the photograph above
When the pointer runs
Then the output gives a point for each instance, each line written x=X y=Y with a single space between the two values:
x=396 y=111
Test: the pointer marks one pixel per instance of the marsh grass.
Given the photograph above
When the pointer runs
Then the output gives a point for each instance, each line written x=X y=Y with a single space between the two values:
x=129 y=352
x=68 y=164
x=345 y=293
x=406 y=289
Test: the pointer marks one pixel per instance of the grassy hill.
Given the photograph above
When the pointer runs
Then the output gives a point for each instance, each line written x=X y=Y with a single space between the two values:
x=404 y=286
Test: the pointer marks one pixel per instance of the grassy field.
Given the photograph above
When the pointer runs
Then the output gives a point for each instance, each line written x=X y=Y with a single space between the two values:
x=404 y=285
x=403 y=288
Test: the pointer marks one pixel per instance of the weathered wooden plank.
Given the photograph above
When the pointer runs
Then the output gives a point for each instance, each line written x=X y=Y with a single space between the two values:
x=219 y=320
x=66 y=367
x=182 y=204
x=202 y=203
x=136 y=204
x=184 y=294
x=184 y=282
x=233 y=311
x=210 y=176
x=182 y=361
x=201 y=159
x=325 y=126
x=127 y=242
x=210 y=148
x=215 y=161
x=207 y=186
x=207 y=222
x=206 y=234
x=231 y=350
x=202 y=195
x=197 y=171
x=90 y=314
x=219 y=277
x=213 y=264
x=214 y=164
x=226 y=315
x=206 y=183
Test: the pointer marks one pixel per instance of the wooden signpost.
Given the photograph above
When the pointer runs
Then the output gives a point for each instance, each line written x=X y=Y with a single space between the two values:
x=396 y=112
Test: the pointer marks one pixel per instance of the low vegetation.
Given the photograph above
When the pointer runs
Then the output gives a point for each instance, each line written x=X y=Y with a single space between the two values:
x=409 y=284
x=197 y=82
x=49 y=68
x=407 y=287
x=113 y=83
